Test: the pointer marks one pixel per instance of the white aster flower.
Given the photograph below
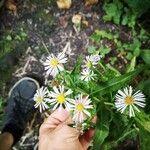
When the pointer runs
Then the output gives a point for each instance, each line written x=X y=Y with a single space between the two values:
x=59 y=97
x=53 y=65
x=40 y=98
x=91 y=61
x=87 y=75
x=80 y=107
x=126 y=99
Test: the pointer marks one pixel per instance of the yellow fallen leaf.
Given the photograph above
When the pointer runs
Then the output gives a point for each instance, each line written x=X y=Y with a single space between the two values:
x=11 y=5
x=85 y=23
x=76 y=19
x=64 y=4
x=90 y=2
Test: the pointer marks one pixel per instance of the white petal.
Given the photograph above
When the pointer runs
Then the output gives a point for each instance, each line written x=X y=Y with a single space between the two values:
x=86 y=112
x=130 y=91
x=68 y=92
x=55 y=106
x=121 y=93
x=56 y=90
x=136 y=108
x=140 y=104
x=60 y=67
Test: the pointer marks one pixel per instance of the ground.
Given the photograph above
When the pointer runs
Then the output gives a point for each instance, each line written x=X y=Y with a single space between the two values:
x=50 y=29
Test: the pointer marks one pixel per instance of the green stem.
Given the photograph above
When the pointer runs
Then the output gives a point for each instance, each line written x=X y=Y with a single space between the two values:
x=80 y=90
x=102 y=66
x=96 y=99
x=109 y=104
x=102 y=76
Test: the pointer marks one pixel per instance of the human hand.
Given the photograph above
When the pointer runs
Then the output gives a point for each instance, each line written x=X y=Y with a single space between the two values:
x=55 y=134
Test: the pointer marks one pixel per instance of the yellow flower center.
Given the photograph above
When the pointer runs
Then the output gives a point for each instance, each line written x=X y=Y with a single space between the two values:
x=88 y=64
x=39 y=99
x=61 y=98
x=80 y=107
x=54 y=62
x=129 y=100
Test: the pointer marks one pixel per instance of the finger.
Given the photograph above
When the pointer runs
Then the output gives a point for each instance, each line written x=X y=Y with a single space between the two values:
x=57 y=117
x=86 y=138
x=94 y=119
x=68 y=121
x=68 y=133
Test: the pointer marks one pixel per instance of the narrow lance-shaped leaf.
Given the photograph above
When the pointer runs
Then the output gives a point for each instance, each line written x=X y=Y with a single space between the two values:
x=132 y=65
x=77 y=68
x=102 y=128
x=143 y=120
x=117 y=82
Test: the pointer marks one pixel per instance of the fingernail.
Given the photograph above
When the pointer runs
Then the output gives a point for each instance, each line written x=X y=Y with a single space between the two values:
x=62 y=111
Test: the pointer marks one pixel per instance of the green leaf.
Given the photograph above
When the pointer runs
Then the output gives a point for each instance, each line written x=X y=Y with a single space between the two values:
x=144 y=138
x=102 y=128
x=132 y=20
x=129 y=56
x=143 y=121
x=138 y=6
x=117 y=82
x=77 y=68
x=91 y=49
x=113 y=11
x=113 y=69
x=124 y=20
x=9 y=38
x=68 y=80
x=17 y=37
x=110 y=9
x=116 y=18
x=145 y=54
x=104 y=50
x=23 y=34
x=135 y=47
x=107 y=18
x=104 y=34
x=143 y=86
x=131 y=67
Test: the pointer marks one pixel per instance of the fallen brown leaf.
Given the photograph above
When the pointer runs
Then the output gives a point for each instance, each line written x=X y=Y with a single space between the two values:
x=90 y=2
x=85 y=23
x=63 y=22
x=76 y=19
x=11 y=5
x=64 y=4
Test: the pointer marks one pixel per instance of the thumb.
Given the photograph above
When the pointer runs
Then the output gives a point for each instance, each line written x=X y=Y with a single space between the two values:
x=57 y=117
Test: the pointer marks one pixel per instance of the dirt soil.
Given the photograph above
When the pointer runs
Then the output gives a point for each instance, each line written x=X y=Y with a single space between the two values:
x=50 y=28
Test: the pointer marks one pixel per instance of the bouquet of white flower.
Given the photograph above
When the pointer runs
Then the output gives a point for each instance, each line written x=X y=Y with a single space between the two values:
x=93 y=89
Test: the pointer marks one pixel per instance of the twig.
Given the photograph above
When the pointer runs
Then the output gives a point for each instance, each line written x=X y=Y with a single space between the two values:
x=45 y=46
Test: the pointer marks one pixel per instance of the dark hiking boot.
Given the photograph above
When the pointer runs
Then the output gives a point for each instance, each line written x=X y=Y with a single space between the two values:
x=20 y=106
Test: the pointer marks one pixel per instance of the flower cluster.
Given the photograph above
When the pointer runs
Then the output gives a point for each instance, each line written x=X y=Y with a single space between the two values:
x=90 y=62
x=59 y=96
